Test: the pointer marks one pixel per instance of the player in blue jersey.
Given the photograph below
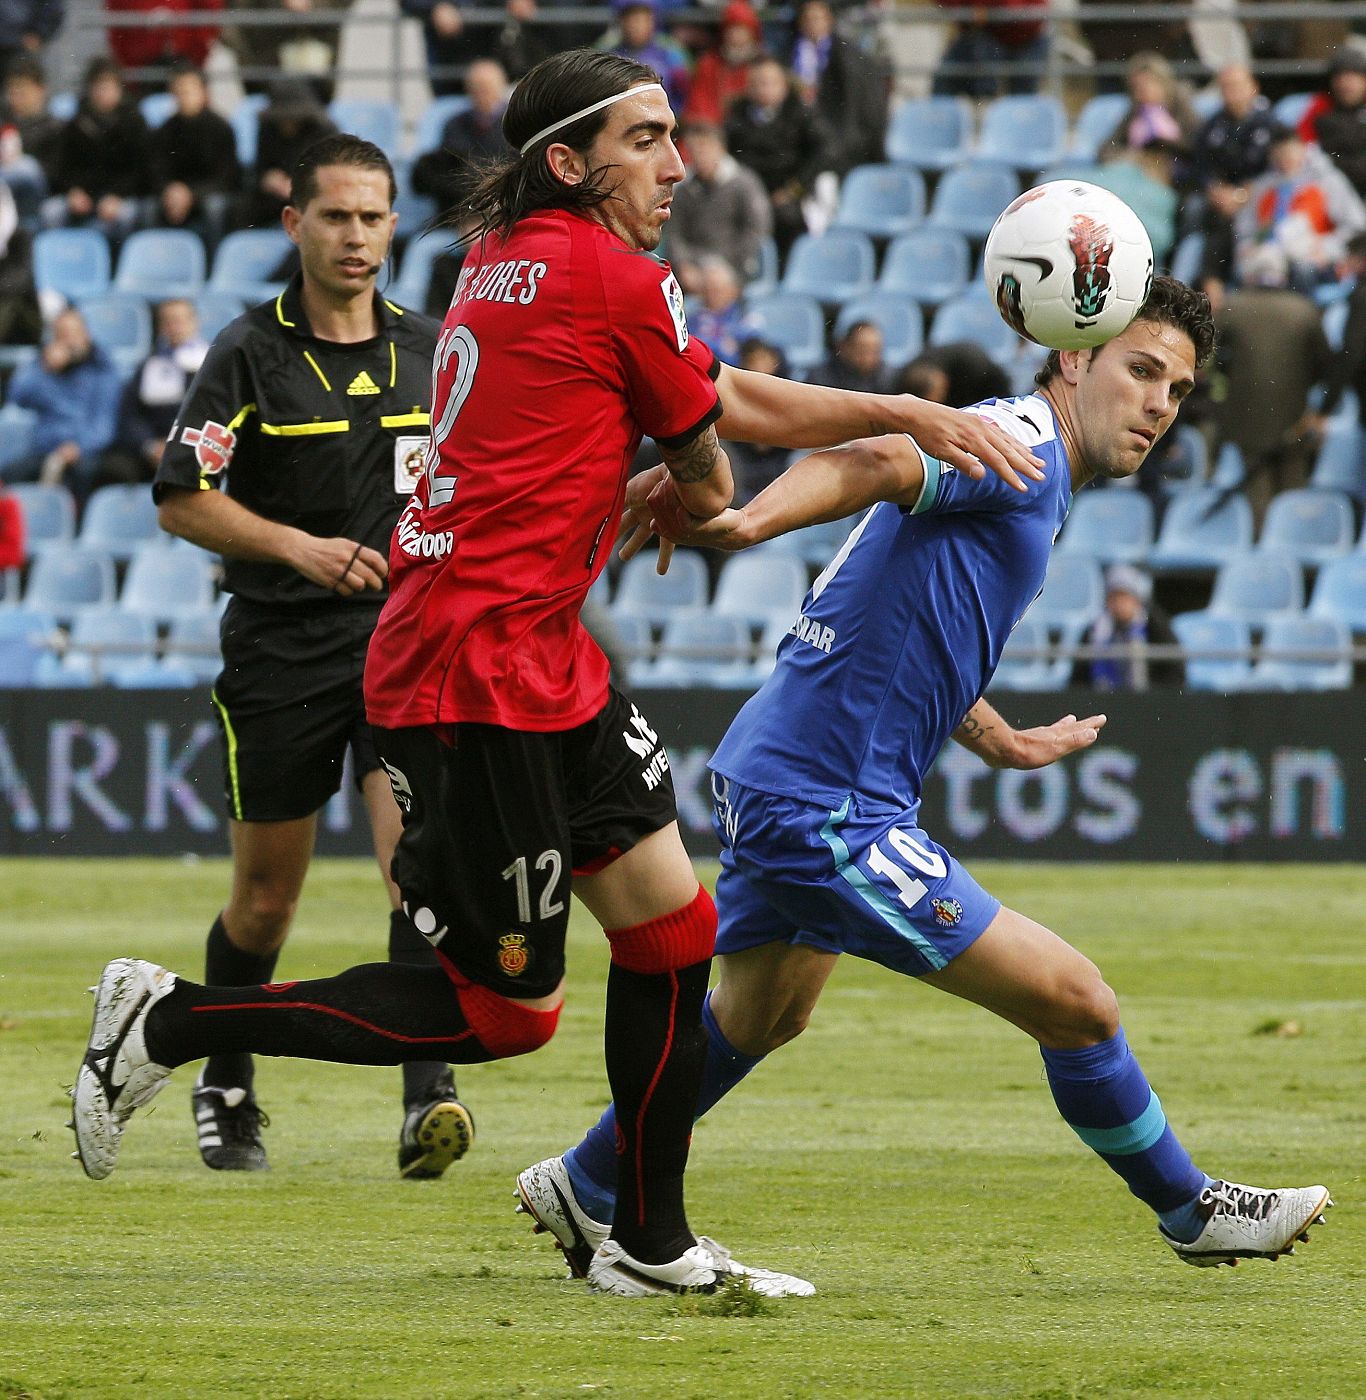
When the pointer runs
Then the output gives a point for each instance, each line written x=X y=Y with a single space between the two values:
x=817 y=783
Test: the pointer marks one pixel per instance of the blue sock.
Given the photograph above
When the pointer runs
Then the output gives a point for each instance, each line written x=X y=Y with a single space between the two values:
x=592 y=1165
x=1105 y=1099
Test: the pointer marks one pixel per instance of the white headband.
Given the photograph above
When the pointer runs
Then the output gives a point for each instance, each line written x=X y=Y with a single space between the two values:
x=588 y=111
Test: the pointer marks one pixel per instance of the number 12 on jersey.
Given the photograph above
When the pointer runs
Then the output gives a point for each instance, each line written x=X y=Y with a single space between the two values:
x=451 y=385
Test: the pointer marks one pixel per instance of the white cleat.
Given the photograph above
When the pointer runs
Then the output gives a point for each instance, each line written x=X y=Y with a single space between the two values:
x=545 y=1193
x=117 y=1075
x=702 y=1269
x=1247 y=1222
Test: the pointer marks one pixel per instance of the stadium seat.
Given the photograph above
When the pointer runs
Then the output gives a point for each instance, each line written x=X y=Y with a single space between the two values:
x=641 y=592
x=215 y=310
x=794 y=324
x=25 y=639
x=766 y=650
x=156 y=107
x=1229 y=468
x=121 y=324
x=759 y=586
x=830 y=267
x=370 y=119
x=162 y=262
x=881 y=200
x=65 y=582
x=1186 y=257
x=1073 y=592
x=1201 y=529
x=414 y=212
x=1311 y=526
x=120 y=520
x=636 y=639
x=415 y=274
x=1289 y=109
x=1183 y=460
x=1115 y=526
x=246 y=261
x=1341 y=461
x=16 y=433
x=155 y=675
x=899 y=318
x=433 y=121
x=703 y=649
x=1027 y=132
x=1257 y=585
x=1287 y=661
x=164 y=583
x=931 y=133
x=765 y=279
x=105 y=641
x=1340 y=591
x=73 y=262
x=929 y=264
x=1335 y=323
x=1096 y=122
x=193 y=642
x=1028 y=662
x=969 y=197
x=49 y=511
x=245 y=122
x=972 y=315
x=1229 y=637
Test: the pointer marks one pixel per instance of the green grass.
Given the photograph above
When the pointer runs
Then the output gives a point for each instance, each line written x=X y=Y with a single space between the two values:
x=904 y=1154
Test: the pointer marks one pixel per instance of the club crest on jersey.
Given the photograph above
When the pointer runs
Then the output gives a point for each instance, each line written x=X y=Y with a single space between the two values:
x=213 y=445
x=673 y=299
x=512 y=954
x=947 y=911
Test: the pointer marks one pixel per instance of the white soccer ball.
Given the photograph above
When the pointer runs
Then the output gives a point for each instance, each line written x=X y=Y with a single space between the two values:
x=1068 y=264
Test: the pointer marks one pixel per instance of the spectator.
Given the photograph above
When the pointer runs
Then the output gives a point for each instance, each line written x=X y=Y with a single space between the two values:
x=1348 y=367
x=958 y=374
x=194 y=161
x=26 y=25
x=722 y=77
x=857 y=363
x=153 y=396
x=1302 y=212
x=992 y=55
x=720 y=321
x=104 y=156
x=288 y=125
x=782 y=141
x=161 y=45
x=21 y=321
x=1129 y=624
x=755 y=465
x=721 y=209
x=1115 y=42
x=849 y=89
x=519 y=43
x=30 y=136
x=74 y=390
x=1339 y=124
x=1158 y=109
x=473 y=135
x=637 y=37
x=307 y=51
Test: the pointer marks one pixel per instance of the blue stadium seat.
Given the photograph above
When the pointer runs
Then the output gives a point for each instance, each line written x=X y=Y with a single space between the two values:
x=433 y=121
x=641 y=592
x=74 y=262
x=155 y=675
x=760 y=585
x=1028 y=661
x=1335 y=323
x=1341 y=461
x=415 y=274
x=794 y=324
x=765 y=650
x=1311 y=526
x=1073 y=592
x=929 y=264
x=1257 y=585
x=414 y=212
x=830 y=267
x=972 y=315
x=120 y=520
x=65 y=582
x=969 y=197
x=1340 y=591
x=1115 y=526
x=931 y=133
x=1229 y=637
x=121 y=324
x=1028 y=132
x=16 y=433
x=703 y=649
x=1096 y=122
x=107 y=641
x=881 y=200
x=1186 y=257
x=1201 y=529
x=765 y=280
x=25 y=639
x=165 y=583
x=245 y=264
x=369 y=119
x=899 y=318
x=156 y=107
x=1289 y=109
x=1287 y=662
x=1229 y=468
x=1184 y=460
x=162 y=262
x=215 y=310
x=49 y=511
x=193 y=642
x=636 y=639
x=245 y=121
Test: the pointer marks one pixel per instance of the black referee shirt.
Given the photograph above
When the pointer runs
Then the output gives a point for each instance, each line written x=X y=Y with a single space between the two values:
x=325 y=437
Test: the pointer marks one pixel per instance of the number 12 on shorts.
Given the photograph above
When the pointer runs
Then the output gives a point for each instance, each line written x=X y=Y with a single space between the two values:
x=547 y=906
x=909 y=890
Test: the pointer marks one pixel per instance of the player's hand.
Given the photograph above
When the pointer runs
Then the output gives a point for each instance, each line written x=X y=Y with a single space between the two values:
x=969 y=442
x=341 y=565
x=1037 y=748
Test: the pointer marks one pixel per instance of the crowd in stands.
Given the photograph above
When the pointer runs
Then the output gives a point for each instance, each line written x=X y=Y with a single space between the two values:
x=825 y=231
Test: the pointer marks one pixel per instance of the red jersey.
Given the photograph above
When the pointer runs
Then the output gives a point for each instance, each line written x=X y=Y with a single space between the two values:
x=562 y=348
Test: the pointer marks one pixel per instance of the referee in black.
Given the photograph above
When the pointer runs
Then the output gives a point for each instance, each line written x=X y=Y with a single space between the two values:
x=292 y=456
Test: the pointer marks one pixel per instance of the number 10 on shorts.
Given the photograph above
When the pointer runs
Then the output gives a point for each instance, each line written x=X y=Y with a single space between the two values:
x=909 y=890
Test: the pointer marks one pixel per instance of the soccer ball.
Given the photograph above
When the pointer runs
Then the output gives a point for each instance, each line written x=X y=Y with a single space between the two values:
x=1069 y=265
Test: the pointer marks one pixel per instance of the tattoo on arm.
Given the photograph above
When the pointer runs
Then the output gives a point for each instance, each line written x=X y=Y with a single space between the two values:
x=971 y=728
x=697 y=460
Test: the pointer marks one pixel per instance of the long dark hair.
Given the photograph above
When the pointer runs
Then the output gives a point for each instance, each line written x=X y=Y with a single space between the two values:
x=497 y=193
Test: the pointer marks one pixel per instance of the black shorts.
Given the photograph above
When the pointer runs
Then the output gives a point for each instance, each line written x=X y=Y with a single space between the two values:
x=289 y=702
x=496 y=821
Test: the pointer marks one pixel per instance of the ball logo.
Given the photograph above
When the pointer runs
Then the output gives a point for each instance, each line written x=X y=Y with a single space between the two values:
x=1092 y=246
x=512 y=954
x=947 y=911
x=213 y=445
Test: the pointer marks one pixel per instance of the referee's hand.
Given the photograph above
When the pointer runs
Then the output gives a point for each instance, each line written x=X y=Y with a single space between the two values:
x=343 y=566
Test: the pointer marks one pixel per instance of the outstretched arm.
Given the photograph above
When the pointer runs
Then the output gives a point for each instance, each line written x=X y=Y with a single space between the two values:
x=999 y=746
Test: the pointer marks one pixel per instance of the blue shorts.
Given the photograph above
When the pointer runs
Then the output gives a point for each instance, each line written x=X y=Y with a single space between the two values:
x=870 y=883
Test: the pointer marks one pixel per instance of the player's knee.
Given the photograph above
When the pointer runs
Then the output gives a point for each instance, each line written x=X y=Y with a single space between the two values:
x=1087 y=1012
x=505 y=1027
x=670 y=942
x=259 y=917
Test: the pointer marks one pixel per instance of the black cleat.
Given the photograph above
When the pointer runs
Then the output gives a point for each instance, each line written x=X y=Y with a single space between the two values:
x=435 y=1134
x=229 y=1123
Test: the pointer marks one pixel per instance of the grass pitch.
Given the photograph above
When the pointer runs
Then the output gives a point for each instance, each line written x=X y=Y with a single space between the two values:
x=904 y=1154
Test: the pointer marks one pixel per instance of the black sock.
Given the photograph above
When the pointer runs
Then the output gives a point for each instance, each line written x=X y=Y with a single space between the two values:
x=375 y=1014
x=227 y=965
x=423 y=1080
x=655 y=1049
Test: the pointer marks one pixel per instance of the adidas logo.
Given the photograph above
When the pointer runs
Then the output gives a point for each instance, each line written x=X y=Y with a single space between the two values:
x=362 y=384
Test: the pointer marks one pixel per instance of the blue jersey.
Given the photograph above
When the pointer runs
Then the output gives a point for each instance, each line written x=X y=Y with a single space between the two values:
x=897 y=639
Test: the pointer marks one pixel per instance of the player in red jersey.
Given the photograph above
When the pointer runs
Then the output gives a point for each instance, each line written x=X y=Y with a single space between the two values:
x=521 y=773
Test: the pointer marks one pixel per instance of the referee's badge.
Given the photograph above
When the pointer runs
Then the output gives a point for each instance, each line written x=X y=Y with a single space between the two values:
x=512 y=954
x=410 y=461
